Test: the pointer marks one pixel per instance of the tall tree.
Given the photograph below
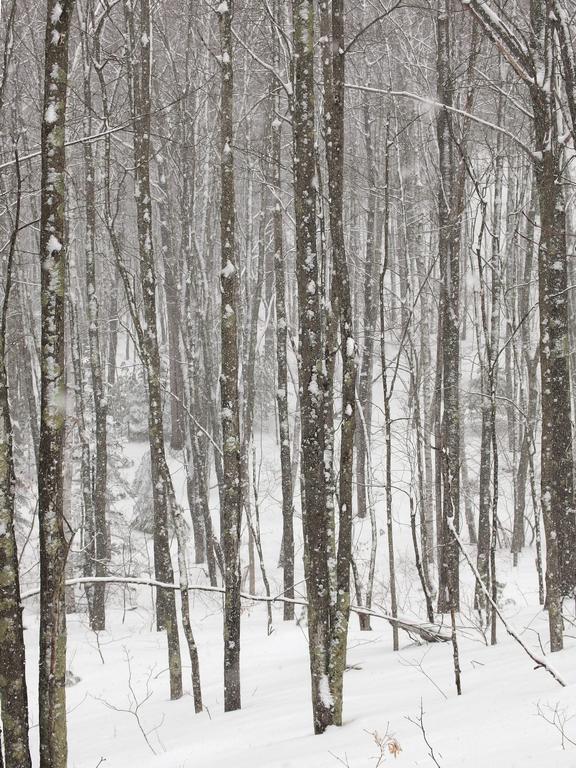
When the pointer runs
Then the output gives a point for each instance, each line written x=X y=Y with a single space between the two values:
x=140 y=35
x=282 y=370
x=537 y=60
x=53 y=245
x=333 y=58
x=449 y=257
x=231 y=499
x=13 y=693
x=99 y=489
x=315 y=517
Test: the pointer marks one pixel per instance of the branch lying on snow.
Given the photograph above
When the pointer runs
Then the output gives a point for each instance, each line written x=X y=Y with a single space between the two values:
x=430 y=633
x=540 y=661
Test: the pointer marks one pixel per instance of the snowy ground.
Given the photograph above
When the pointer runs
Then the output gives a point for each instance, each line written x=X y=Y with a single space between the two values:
x=120 y=714
x=494 y=723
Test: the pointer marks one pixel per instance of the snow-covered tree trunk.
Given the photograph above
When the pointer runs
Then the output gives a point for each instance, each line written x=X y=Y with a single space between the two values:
x=148 y=336
x=557 y=481
x=490 y=322
x=557 y=491
x=282 y=371
x=113 y=328
x=99 y=489
x=449 y=257
x=316 y=518
x=13 y=693
x=53 y=543
x=333 y=58
x=370 y=318
x=231 y=499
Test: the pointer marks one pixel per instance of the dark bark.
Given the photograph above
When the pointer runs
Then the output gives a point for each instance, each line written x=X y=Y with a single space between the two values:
x=172 y=272
x=53 y=250
x=282 y=375
x=99 y=488
x=13 y=693
x=537 y=64
x=316 y=523
x=387 y=392
x=370 y=318
x=148 y=336
x=333 y=79
x=231 y=500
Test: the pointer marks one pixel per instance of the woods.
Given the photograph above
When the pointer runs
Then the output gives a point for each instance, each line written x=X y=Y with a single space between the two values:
x=287 y=317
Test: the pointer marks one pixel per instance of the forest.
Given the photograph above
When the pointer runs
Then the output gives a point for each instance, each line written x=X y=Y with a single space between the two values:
x=287 y=383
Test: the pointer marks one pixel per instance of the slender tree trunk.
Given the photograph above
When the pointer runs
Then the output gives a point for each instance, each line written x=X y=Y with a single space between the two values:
x=282 y=375
x=53 y=242
x=491 y=333
x=450 y=208
x=539 y=67
x=98 y=614
x=148 y=338
x=13 y=692
x=556 y=449
x=387 y=397
x=172 y=271
x=334 y=75
x=316 y=524
x=366 y=366
x=231 y=510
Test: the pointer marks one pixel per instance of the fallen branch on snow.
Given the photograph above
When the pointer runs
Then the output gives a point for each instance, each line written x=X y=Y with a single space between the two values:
x=430 y=633
x=540 y=661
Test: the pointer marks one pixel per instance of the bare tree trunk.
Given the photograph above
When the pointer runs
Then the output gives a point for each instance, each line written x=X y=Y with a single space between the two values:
x=370 y=315
x=148 y=338
x=28 y=374
x=451 y=204
x=13 y=693
x=528 y=391
x=334 y=72
x=98 y=614
x=491 y=331
x=53 y=544
x=387 y=396
x=282 y=373
x=231 y=510
x=172 y=271
x=113 y=328
x=316 y=523
x=467 y=488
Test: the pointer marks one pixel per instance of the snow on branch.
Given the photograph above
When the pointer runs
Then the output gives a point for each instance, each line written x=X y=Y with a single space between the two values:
x=504 y=37
x=540 y=661
x=433 y=103
x=430 y=633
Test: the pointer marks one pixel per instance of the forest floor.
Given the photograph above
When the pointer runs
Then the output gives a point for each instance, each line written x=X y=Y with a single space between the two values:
x=119 y=712
x=509 y=715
